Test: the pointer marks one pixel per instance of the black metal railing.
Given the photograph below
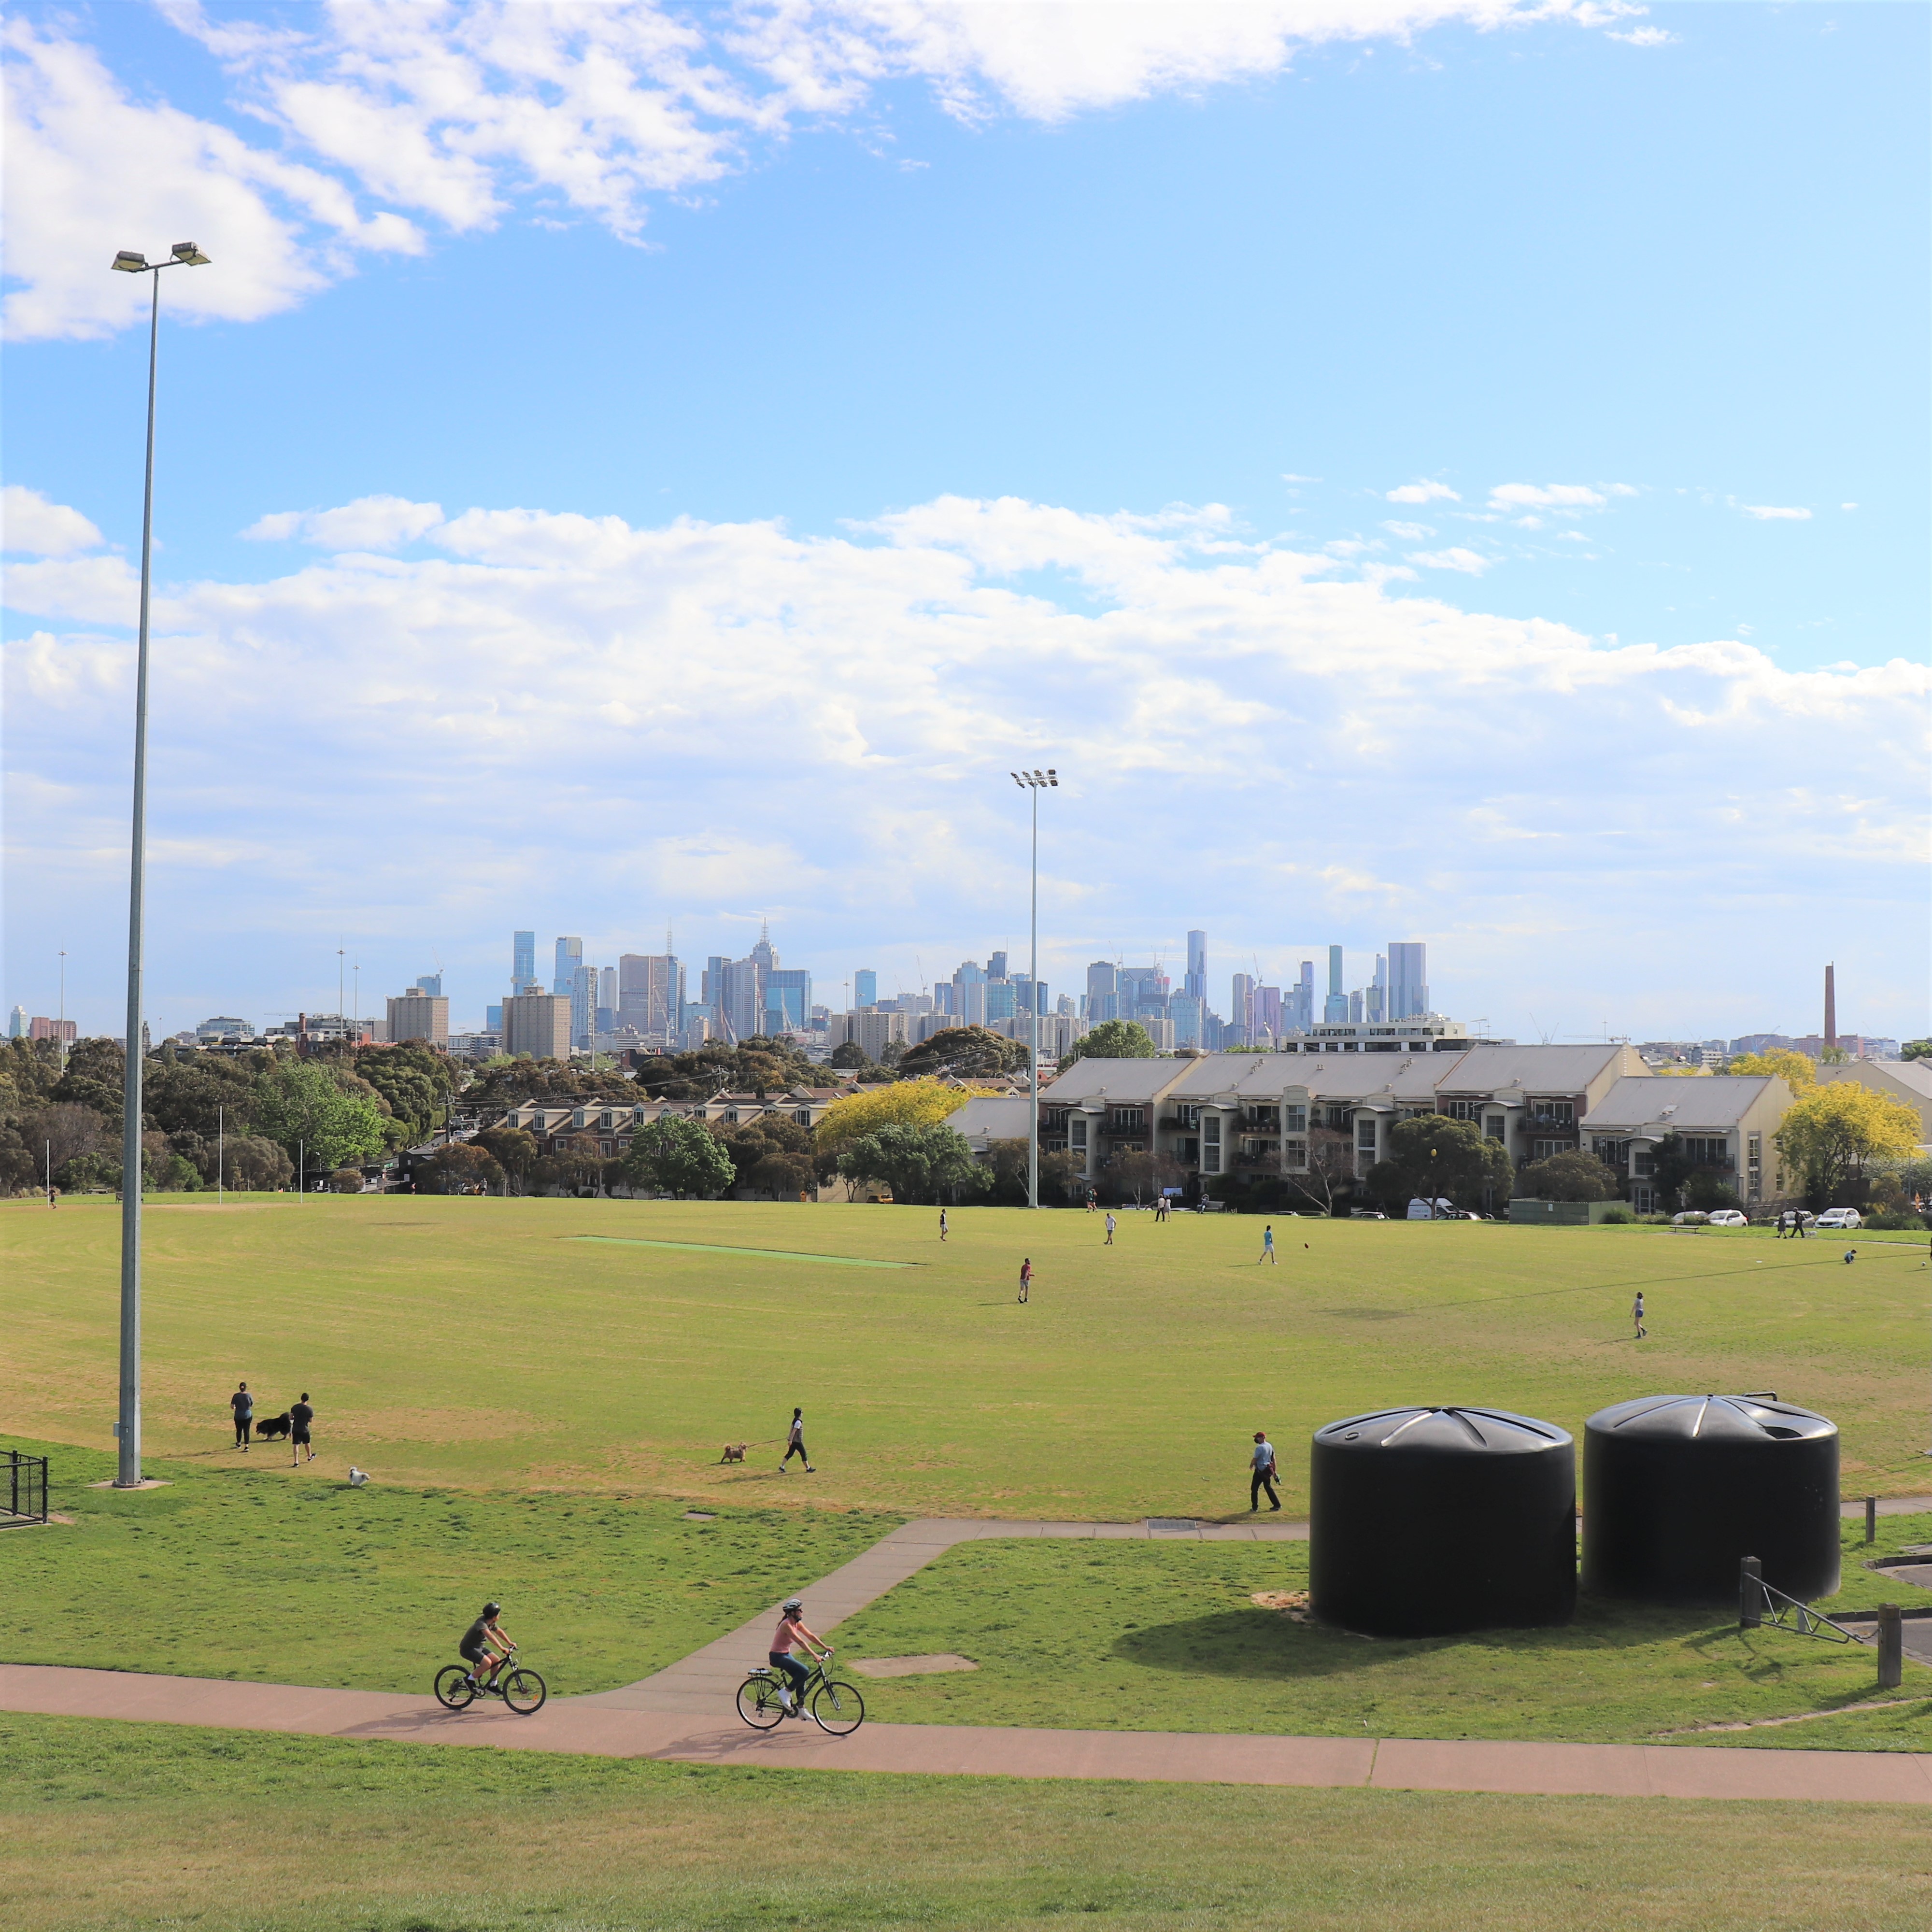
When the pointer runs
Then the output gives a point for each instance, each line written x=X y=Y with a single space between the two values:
x=26 y=1478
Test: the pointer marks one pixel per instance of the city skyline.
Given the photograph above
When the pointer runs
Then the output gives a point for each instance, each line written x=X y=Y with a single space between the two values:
x=1153 y=400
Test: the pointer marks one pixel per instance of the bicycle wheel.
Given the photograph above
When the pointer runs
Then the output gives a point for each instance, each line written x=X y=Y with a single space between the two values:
x=524 y=1691
x=454 y=1691
x=758 y=1703
x=837 y=1708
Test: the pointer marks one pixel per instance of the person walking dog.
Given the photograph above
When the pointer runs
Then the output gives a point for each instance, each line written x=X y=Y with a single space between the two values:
x=243 y=1404
x=1263 y=1476
x=300 y=1418
x=795 y=1443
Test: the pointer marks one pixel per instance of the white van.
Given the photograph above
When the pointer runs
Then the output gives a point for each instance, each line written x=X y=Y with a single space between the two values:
x=1420 y=1210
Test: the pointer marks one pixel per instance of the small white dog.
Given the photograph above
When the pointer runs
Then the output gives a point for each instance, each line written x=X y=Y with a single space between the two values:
x=357 y=1478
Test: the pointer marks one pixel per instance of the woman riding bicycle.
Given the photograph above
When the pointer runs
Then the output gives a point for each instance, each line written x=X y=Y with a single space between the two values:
x=791 y=1630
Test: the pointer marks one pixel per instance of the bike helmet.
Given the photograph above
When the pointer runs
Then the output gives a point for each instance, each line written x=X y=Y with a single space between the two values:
x=792 y=1603
x=493 y=1610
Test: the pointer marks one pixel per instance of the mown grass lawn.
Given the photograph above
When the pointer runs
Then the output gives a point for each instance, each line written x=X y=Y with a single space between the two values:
x=112 y=1827
x=487 y=1344
x=1165 y=1636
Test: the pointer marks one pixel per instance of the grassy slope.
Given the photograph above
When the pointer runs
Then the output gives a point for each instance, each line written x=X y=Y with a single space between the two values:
x=474 y=1342
x=258 y=1573
x=1163 y=1636
x=110 y=1826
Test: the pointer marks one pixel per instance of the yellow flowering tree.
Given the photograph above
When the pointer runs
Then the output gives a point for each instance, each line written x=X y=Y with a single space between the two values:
x=905 y=1103
x=1832 y=1132
x=1798 y=1071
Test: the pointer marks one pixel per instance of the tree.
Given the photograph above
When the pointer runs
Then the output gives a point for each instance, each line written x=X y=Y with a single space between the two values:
x=413 y=1079
x=904 y=1103
x=253 y=1161
x=1916 y=1049
x=304 y=1107
x=754 y=1065
x=1143 y=1176
x=346 y=1181
x=1570 y=1177
x=500 y=1087
x=917 y=1163
x=1434 y=1157
x=1111 y=1039
x=1829 y=1136
x=457 y=1169
x=1331 y=1168
x=1798 y=1071
x=514 y=1150
x=681 y=1157
x=851 y=1056
x=966 y=1052
x=772 y=1153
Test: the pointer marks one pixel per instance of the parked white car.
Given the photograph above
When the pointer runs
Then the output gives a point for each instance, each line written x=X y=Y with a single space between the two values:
x=1727 y=1217
x=1840 y=1217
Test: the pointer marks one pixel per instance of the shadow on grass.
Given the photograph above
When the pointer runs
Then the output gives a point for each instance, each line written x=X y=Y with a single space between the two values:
x=1263 y=1644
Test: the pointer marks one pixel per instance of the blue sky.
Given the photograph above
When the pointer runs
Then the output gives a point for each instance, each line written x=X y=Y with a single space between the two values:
x=1395 y=457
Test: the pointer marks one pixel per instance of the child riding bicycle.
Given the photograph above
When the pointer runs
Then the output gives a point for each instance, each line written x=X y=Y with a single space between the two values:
x=486 y=1643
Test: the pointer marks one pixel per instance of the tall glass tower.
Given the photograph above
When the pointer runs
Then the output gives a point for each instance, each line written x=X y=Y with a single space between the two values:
x=523 y=954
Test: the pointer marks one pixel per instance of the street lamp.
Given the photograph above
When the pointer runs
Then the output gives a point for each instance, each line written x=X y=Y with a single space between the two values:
x=127 y=1468
x=1034 y=782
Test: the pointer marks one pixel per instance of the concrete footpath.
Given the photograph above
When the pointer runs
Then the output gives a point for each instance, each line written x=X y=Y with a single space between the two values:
x=684 y=1713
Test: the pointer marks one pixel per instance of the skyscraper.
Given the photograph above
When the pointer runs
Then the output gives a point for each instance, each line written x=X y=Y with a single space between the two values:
x=788 y=1000
x=1195 y=984
x=431 y=983
x=523 y=955
x=1241 y=1015
x=1408 y=979
x=1103 y=991
x=1336 y=1006
x=996 y=966
x=1302 y=1013
x=650 y=991
x=865 y=987
x=569 y=957
x=583 y=1005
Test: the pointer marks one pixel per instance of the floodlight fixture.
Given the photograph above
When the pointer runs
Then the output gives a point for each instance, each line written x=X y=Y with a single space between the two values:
x=131 y=262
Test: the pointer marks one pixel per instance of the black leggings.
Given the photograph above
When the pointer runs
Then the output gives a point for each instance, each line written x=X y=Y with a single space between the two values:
x=797 y=1449
x=1262 y=1479
x=243 y=1423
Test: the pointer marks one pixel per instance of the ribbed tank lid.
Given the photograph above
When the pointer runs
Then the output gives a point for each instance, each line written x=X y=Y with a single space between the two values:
x=1711 y=1418
x=1450 y=1430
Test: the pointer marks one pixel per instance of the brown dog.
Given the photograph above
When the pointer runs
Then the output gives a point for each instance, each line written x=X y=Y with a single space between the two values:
x=734 y=1452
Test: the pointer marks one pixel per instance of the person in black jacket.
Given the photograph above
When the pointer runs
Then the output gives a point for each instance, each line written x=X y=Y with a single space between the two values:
x=300 y=1416
x=243 y=1404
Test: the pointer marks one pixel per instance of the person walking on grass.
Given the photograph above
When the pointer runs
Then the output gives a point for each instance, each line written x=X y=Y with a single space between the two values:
x=1111 y=1226
x=1636 y=1316
x=1267 y=1247
x=1026 y=1277
x=300 y=1416
x=942 y=1224
x=1262 y=1476
x=795 y=1443
x=243 y=1404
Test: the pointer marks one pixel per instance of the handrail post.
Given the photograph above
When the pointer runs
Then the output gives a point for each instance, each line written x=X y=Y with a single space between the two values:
x=1871 y=1515
x=1891 y=1647
x=1750 y=1593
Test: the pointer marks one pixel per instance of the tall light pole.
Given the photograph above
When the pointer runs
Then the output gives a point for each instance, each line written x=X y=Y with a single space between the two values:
x=1034 y=782
x=127 y=1468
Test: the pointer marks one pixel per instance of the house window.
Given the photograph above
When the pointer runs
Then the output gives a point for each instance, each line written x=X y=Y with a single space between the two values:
x=1493 y=1127
x=729 y=1116
x=802 y=1115
x=1543 y=1150
x=1077 y=1130
x=1210 y=1144
x=1294 y=1119
x=1640 y=1167
x=1463 y=1110
x=1365 y=1135
x=1294 y=1156
x=1130 y=1117
x=1754 y=1163
x=1187 y=1117
x=606 y=1148
x=1554 y=1113
x=1340 y=1118
x=1704 y=1151
x=1266 y=1120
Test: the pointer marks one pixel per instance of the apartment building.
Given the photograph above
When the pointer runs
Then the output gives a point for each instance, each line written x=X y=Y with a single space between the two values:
x=418 y=1014
x=1907 y=1082
x=538 y=1025
x=1725 y=1123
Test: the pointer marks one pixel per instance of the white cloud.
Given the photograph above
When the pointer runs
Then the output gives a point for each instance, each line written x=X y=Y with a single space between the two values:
x=353 y=125
x=1410 y=532
x=1423 y=492
x=1647 y=36
x=369 y=522
x=1455 y=558
x=1549 y=496
x=32 y=526
x=1848 y=506
x=1772 y=513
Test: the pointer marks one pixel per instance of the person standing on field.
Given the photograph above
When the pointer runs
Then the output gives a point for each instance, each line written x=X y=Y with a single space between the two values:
x=300 y=1416
x=1267 y=1247
x=1026 y=1277
x=795 y=1443
x=1262 y=1467
x=1636 y=1316
x=942 y=1224
x=243 y=1404
x=1109 y=1241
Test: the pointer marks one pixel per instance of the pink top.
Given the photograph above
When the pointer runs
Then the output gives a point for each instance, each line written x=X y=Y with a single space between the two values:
x=787 y=1634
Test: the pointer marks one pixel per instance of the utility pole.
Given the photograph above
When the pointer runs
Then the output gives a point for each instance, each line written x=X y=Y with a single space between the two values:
x=1034 y=782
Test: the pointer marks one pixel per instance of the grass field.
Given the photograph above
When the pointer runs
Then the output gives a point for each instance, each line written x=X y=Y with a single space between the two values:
x=486 y=1343
x=1165 y=1636
x=114 y=1827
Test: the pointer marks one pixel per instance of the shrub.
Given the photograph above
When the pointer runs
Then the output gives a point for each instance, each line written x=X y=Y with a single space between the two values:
x=346 y=1181
x=1617 y=1217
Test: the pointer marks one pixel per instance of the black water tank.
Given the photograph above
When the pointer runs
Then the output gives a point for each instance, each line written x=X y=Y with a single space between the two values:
x=1424 y=1522
x=1677 y=1488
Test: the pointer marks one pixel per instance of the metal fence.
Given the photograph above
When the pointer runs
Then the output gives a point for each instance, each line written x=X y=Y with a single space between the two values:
x=26 y=1479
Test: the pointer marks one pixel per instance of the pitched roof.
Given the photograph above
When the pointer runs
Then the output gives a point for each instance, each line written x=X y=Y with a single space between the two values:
x=1538 y=1070
x=1681 y=1106
x=1130 y=1081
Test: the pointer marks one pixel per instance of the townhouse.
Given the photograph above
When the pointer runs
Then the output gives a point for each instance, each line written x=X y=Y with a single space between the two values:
x=1907 y=1082
x=558 y=1128
x=1726 y=1123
